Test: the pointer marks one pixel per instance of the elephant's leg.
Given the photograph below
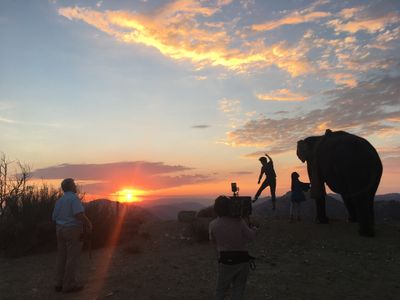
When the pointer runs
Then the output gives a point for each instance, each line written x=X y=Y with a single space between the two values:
x=351 y=209
x=318 y=193
x=321 y=210
x=365 y=213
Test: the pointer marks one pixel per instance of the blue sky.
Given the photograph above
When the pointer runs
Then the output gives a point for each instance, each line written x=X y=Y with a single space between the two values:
x=205 y=85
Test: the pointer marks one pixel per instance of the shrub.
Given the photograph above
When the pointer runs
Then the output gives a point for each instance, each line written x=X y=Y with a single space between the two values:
x=103 y=215
x=199 y=230
x=26 y=225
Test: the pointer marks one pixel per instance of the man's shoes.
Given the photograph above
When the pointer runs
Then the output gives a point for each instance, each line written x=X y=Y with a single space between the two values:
x=74 y=289
x=58 y=288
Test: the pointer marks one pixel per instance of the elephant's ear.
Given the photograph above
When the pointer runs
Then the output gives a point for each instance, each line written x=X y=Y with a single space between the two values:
x=302 y=150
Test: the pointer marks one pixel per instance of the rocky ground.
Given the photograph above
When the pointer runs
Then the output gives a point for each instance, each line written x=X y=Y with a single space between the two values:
x=298 y=260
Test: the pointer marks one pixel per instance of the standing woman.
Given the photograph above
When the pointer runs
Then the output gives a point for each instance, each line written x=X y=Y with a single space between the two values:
x=270 y=178
x=297 y=196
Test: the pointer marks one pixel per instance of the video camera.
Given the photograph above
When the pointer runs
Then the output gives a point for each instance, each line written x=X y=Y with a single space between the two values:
x=240 y=206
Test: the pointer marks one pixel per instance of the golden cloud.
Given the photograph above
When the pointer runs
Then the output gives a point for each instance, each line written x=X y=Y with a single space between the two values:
x=281 y=95
x=292 y=19
x=177 y=34
x=353 y=21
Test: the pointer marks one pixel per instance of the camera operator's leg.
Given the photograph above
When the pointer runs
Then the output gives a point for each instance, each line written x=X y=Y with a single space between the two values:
x=225 y=276
x=239 y=281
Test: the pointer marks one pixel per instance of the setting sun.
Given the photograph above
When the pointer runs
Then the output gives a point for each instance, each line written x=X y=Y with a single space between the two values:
x=128 y=195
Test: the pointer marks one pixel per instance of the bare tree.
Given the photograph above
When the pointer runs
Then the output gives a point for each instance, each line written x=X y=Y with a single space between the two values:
x=12 y=186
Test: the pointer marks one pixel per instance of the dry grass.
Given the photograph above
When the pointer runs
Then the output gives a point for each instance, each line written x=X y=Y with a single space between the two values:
x=294 y=261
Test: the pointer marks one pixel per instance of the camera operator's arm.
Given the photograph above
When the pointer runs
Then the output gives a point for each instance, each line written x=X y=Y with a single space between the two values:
x=249 y=233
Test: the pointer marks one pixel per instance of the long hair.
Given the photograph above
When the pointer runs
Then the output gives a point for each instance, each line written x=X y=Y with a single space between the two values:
x=295 y=177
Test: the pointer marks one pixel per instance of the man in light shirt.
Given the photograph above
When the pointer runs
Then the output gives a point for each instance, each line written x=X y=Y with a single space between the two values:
x=71 y=221
x=231 y=235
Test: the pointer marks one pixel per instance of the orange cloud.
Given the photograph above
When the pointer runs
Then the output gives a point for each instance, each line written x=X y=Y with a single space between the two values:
x=394 y=119
x=323 y=126
x=388 y=151
x=358 y=21
x=177 y=34
x=281 y=95
x=343 y=79
x=292 y=19
x=348 y=13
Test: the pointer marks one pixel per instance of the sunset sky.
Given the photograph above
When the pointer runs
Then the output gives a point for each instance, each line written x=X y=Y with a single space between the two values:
x=180 y=98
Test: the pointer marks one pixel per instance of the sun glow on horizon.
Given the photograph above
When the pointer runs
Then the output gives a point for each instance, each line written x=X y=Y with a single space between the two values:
x=128 y=195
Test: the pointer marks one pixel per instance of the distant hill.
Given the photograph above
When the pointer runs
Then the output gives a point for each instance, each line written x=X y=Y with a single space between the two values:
x=133 y=211
x=176 y=201
x=388 y=197
x=160 y=209
x=387 y=207
x=170 y=211
x=387 y=210
x=263 y=207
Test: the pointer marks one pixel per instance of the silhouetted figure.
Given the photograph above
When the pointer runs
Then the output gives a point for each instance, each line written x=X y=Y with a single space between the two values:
x=231 y=235
x=270 y=178
x=71 y=221
x=297 y=196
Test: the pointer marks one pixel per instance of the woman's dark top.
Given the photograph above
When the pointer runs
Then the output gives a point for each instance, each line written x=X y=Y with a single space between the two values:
x=298 y=189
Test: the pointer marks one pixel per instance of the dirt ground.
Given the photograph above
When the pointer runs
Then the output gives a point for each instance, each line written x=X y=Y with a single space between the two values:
x=294 y=261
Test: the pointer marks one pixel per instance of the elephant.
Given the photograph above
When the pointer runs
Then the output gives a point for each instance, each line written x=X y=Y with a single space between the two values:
x=351 y=167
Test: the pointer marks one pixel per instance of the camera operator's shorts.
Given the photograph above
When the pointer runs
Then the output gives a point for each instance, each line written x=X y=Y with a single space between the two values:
x=234 y=257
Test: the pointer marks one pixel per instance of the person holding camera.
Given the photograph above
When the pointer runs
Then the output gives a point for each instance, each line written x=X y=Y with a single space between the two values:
x=231 y=234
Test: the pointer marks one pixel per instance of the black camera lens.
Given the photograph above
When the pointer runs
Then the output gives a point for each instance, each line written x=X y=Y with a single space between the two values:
x=234 y=187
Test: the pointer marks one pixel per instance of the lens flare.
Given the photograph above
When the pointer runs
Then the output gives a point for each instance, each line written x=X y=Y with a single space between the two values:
x=128 y=195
